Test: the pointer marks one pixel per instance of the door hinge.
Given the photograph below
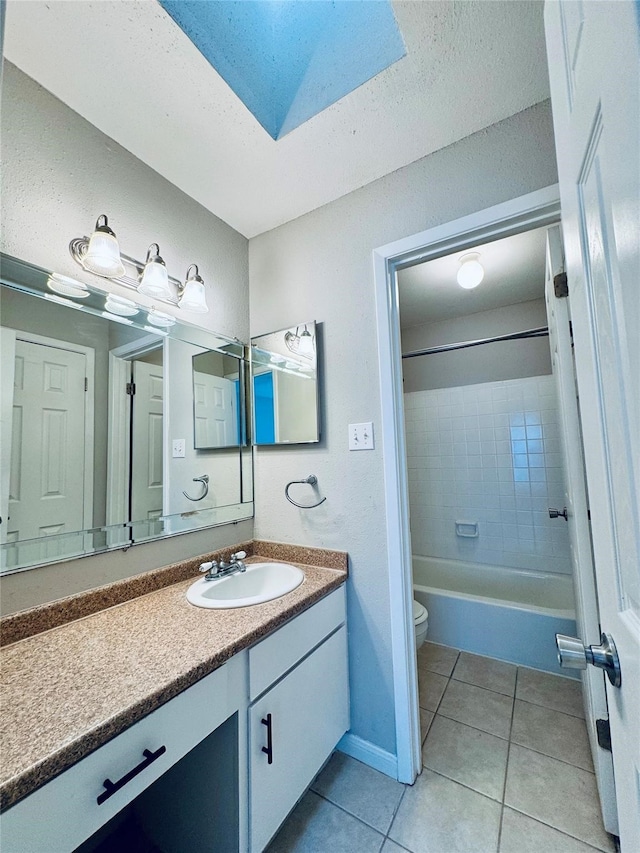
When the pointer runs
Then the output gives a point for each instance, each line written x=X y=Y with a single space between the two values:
x=86 y=383
x=560 y=286
x=131 y=388
x=604 y=734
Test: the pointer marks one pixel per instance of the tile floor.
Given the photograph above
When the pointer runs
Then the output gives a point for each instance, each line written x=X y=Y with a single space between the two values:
x=506 y=769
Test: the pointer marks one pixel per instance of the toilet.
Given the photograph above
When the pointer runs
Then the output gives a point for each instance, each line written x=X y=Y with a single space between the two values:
x=420 y=622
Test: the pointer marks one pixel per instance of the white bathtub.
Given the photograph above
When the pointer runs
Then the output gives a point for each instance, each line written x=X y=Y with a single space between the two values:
x=510 y=614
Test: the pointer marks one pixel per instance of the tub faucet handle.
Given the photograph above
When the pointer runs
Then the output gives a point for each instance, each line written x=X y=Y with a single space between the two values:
x=556 y=513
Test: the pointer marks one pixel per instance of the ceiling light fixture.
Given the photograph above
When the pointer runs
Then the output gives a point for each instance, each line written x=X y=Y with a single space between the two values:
x=471 y=271
x=100 y=254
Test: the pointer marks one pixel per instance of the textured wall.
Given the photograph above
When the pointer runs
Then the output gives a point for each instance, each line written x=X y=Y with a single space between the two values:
x=320 y=266
x=58 y=174
x=487 y=363
x=487 y=454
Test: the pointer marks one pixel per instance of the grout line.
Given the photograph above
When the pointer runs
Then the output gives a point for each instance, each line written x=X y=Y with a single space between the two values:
x=347 y=812
x=561 y=831
x=506 y=769
x=552 y=757
x=395 y=812
x=462 y=784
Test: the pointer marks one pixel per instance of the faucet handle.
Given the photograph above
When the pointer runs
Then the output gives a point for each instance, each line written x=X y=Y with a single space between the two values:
x=239 y=556
x=207 y=567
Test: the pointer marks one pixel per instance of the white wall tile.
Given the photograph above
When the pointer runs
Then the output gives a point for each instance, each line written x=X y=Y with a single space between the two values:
x=488 y=453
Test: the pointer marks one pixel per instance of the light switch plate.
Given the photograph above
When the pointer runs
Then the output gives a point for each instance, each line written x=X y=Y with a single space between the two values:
x=179 y=448
x=361 y=436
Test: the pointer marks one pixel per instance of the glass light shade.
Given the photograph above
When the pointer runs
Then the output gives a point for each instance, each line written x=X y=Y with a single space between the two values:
x=159 y=318
x=155 y=280
x=103 y=255
x=305 y=347
x=471 y=271
x=193 y=297
x=67 y=286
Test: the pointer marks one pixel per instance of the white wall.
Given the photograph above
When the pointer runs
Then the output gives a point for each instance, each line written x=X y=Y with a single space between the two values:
x=58 y=174
x=487 y=454
x=320 y=266
x=487 y=363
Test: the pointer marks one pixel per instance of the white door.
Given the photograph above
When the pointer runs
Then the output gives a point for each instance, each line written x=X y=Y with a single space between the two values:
x=214 y=400
x=146 y=450
x=46 y=482
x=577 y=506
x=594 y=57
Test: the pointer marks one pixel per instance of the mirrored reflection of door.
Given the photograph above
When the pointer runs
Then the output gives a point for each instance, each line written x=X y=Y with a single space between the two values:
x=47 y=470
x=146 y=443
x=215 y=411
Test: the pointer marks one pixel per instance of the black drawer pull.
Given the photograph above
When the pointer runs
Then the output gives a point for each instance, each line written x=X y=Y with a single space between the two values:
x=112 y=787
x=269 y=747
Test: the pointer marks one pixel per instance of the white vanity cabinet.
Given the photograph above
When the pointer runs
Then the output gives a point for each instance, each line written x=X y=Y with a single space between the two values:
x=295 y=725
x=65 y=812
x=295 y=679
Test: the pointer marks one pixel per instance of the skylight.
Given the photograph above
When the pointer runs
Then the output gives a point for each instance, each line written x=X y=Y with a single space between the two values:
x=288 y=60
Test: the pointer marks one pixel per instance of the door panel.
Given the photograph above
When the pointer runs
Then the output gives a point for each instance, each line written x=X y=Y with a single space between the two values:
x=595 y=93
x=576 y=502
x=146 y=454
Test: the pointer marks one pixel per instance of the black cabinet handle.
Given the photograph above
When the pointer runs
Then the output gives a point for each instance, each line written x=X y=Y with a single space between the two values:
x=112 y=787
x=269 y=747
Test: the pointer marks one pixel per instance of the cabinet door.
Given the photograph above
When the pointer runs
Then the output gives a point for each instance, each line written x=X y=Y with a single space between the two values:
x=309 y=713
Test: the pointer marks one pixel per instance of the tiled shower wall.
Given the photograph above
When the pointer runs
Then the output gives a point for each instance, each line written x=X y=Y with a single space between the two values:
x=488 y=456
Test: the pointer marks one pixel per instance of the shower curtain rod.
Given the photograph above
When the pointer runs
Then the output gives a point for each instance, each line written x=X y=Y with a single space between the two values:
x=539 y=332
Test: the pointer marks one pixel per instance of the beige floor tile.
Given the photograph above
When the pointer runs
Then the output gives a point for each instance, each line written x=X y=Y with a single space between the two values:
x=552 y=733
x=390 y=846
x=426 y=718
x=557 y=794
x=522 y=834
x=477 y=707
x=473 y=758
x=431 y=686
x=362 y=791
x=550 y=691
x=486 y=672
x=316 y=825
x=440 y=659
x=437 y=815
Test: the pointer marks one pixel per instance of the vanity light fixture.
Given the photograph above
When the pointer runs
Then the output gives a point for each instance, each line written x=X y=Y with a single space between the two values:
x=471 y=271
x=103 y=253
x=191 y=295
x=155 y=278
x=121 y=306
x=159 y=318
x=100 y=254
x=300 y=343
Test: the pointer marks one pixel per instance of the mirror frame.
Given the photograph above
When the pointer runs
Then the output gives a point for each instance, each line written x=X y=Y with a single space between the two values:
x=29 y=279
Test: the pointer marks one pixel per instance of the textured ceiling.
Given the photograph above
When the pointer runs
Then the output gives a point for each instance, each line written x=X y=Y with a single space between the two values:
x=130 y=70
x=514 y=271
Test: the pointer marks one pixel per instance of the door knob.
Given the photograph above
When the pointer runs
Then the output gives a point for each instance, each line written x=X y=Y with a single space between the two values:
x=573 y=654
x=555 y=513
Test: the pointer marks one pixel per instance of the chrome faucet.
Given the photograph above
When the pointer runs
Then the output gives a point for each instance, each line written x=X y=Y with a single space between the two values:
x=216 y=570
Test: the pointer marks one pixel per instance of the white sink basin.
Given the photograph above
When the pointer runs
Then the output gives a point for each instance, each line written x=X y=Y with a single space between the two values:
x=261 y=582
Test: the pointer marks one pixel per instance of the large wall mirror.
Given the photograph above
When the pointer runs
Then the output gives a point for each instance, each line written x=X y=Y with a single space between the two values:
x=284 y=376
x=105 y=442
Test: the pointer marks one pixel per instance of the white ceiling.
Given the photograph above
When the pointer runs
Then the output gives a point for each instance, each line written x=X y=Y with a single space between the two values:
x=514 y=271
x=130 y=70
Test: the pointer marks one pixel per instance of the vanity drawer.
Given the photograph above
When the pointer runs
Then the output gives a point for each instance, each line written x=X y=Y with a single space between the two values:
x=275 y=655
x=65 y=811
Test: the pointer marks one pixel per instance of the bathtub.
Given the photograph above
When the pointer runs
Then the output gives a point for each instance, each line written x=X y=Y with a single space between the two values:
x=510 y=614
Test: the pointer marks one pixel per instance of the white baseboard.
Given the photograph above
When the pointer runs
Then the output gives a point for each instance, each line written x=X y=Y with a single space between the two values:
x=370 y=754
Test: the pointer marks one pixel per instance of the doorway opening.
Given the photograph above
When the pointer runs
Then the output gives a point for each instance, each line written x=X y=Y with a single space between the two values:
x=538 y=210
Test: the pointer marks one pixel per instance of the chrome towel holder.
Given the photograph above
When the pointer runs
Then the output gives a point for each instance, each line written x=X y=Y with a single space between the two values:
x=312 y=480
x=204 y=479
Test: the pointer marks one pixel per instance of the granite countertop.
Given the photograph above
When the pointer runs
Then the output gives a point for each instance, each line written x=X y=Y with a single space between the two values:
x=68 y=690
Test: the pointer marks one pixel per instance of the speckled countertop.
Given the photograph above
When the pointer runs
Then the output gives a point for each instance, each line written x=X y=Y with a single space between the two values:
x=68 y=690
